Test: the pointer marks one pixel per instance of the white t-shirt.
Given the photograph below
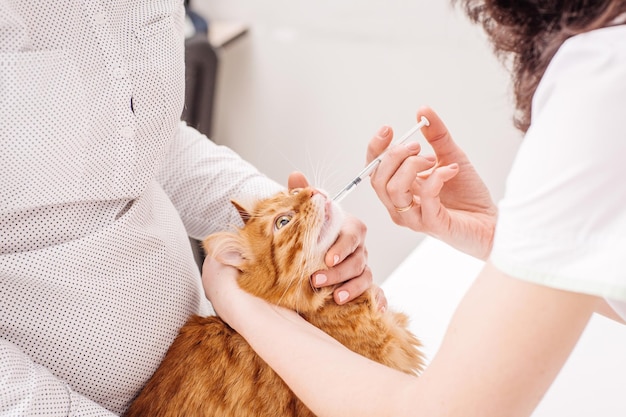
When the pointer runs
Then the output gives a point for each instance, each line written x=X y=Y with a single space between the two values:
x=100 y=184
x=562 y=222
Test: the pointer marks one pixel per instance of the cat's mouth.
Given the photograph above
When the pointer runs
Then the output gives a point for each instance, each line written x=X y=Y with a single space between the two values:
x=333 y=217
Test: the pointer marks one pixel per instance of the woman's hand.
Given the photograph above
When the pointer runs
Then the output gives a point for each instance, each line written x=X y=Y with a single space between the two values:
x=346 y=258
x=221 y=288
x=441 y=195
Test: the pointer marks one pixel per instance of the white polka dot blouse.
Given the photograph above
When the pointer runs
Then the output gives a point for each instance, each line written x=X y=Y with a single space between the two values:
x=100 y=186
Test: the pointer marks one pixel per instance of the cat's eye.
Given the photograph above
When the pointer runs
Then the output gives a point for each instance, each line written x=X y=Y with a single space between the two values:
x=282 y=221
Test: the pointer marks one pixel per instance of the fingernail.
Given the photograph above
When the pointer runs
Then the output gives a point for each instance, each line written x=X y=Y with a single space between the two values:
x=430 y=158
x=343 y=296
x=335 y=260
x=383 y=131
x=320 y=279
x=454 y=165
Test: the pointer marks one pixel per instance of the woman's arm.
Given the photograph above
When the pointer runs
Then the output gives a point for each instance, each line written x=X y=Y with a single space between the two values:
x=504 y=346
x=603 y=308
x=201 y=178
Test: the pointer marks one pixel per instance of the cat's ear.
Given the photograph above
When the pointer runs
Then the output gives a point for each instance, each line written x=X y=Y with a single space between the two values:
x=226 y=248
x=243 y=211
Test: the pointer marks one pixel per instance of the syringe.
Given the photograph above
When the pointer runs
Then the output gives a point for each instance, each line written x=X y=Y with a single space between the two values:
x=372 y=165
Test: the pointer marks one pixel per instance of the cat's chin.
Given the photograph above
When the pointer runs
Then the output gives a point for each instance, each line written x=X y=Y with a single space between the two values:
x=333 y=218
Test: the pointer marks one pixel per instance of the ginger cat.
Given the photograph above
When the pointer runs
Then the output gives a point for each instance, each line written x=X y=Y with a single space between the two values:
x=210 y=370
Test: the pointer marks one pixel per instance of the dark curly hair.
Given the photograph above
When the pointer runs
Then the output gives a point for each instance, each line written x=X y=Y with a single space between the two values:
x=527 y=33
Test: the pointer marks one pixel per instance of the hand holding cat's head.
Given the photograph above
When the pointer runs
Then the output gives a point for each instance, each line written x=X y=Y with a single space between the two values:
x=283 y=241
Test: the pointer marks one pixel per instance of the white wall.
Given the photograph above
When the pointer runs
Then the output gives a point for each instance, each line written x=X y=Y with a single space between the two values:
x=314 y=80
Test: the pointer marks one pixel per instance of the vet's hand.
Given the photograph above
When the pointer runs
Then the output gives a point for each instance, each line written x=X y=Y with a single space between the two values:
x=346 y=258
x=220 y=286
x=441 y=195
x=234 y=305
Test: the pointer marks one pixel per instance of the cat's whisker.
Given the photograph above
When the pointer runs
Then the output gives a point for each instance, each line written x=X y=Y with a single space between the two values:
x=313 y=287
x=322 y=170
x=293 y=280
x=279 y=151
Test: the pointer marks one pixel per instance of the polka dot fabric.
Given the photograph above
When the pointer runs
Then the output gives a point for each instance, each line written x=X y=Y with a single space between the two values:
x=100 y=185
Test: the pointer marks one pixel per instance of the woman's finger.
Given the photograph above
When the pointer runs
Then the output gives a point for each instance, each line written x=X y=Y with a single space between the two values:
x=400 y=185
x=388 y=167
x=437 y=134
x=430 y=202
x=351 y=289
x=379 y=143
x=351 y=237
x=297 y=180
x=351 y=267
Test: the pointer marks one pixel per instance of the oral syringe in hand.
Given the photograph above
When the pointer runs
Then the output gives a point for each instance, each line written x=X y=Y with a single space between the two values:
x=372 y=165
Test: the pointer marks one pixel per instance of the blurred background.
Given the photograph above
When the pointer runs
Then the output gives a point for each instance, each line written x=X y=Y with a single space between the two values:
x=312 y=81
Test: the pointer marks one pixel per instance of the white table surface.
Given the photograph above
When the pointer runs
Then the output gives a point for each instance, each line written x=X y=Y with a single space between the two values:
x=434 y=277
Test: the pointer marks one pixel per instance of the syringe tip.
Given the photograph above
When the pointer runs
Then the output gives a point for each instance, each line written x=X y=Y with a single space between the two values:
x=425 y=121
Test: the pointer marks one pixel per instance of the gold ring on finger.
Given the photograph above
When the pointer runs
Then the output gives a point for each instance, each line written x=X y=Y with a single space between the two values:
x=405 y=208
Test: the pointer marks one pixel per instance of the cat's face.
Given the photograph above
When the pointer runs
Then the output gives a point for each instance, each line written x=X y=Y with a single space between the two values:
x=284 y=240
x=301 y=224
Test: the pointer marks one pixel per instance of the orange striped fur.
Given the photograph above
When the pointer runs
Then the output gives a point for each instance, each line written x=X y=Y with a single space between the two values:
x=210 y=370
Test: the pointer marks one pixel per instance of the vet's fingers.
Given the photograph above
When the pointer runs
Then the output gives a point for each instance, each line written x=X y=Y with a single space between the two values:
x=351 y=267
x=388 y=167
x=379 y=143
x=400 y=186
x=351 y=236
x=297 y=180
x=219 y=281
x=437 y=134
x=353 y=288
x=430 y=190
